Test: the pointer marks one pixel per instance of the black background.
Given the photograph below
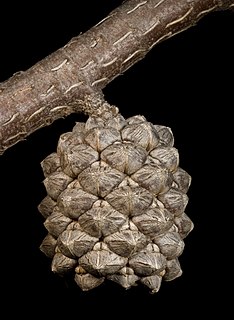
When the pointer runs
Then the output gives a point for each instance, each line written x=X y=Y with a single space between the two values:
x=185 y=83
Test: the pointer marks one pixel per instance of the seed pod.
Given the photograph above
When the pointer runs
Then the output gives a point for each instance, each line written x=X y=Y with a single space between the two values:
x=56 y=183
x=126 y=242
x=50 y=164
x=125 y=277
x=167 y=156
x=68 y=140
x=184 y=225
x=100 y=179
x=62 y=264
x=154 y=222
x=117 y=122
x=146 y=262
x=175 y=201
x=75 y=243
x=77 y=158
x=182 y=180
x=101 y=220
x=152 y=282
x=79 y=129
x=100 y=138
x=102 y=262
x=46 y=206
x=87 y=281
x=170 y=244
x=173 y=270
x=115 y=203
x=56 y=222
x=136 y=119
x=125 y=157
x=143 y=134
x=154 y=178
x=105 y=117
x=165 y=135
x=48 y=246
x=94 y=122
x=130 y=199
x=74 y=202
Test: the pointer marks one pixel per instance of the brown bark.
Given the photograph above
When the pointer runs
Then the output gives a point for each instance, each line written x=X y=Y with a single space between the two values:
x=72 y=78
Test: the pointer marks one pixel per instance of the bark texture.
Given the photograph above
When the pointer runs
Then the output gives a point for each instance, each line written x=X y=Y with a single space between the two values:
x=72 y=78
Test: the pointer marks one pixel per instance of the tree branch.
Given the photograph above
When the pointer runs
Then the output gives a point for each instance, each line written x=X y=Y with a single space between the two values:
x=72 y=78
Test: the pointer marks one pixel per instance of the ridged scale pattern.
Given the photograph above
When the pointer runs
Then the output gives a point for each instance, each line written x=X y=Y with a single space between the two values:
x=115 y=204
